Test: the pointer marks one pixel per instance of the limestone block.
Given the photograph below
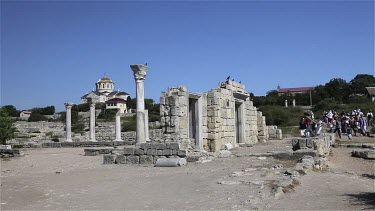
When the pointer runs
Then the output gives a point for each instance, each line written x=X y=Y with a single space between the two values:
x=228 y=134
x=120 y=159
x=302 y=152
x=173 y=100
x=310 y=143
x=151 y=152
x=159 y=152
x=228 y=146
x=146 y=159
x=167 y=152
x=182 y=153
x=174 y=145
x=91 y=152
x=364 y=153
x=162 y=100
x=129 y=150
x=133 y=159
x=109 y=159
x=140 y=151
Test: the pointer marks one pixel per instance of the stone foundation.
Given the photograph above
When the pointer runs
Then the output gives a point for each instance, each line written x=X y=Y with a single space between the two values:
x=321 y=144
x=146 y=153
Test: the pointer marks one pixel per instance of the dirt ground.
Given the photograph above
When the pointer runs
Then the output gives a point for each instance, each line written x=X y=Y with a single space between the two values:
x=64 y=179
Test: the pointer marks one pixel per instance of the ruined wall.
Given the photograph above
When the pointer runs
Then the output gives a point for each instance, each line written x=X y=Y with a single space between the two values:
x=251 y=123
x=174 y=115
x=219 y=107
x=262 y=127
x=275 y=133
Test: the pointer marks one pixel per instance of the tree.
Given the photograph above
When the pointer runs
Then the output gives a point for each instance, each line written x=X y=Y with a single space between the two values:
x=10 y=110
x=338 y=89
x=7 y=128
x=49 y=110
x=359 y=83
x=131 y=103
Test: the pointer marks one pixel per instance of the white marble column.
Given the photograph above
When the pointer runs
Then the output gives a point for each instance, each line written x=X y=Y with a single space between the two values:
x=118 y=127
x=146 y=126
x=286 y=103
x=294 y=102
x=68 y=106
x=139 y=71
x=92 y=122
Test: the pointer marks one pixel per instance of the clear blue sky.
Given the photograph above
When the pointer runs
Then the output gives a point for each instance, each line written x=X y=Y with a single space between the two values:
x=54 y=51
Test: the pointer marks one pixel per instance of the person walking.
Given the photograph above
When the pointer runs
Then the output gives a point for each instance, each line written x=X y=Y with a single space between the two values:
x=370 y=117
x=336 y=125
x=308 y=122
x=302 y=127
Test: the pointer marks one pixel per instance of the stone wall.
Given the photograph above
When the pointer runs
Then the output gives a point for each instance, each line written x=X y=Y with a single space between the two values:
x=104 y=131
x=274 y=133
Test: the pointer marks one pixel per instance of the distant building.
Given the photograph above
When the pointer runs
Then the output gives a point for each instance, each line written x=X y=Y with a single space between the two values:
x=294 y=91
x=104 y=92
x=371 y=91
x=117 y=103
x=25 y=114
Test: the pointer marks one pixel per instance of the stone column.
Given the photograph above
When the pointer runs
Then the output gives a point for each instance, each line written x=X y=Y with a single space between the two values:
x=146 y=126
x=68 y=106
x=139 y=76
x=286 y=103
x=294 y=102
x=118 y=127
x=92 y=122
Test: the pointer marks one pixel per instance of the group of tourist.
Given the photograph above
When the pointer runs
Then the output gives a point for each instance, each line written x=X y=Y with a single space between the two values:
x=353 y=122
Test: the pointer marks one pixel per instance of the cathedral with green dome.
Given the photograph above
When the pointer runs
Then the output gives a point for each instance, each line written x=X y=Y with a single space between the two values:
x=104 y=93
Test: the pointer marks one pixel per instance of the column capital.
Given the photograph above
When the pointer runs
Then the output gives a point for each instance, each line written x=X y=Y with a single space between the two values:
x=92 y=105
x=139 y=71
x=68 y=104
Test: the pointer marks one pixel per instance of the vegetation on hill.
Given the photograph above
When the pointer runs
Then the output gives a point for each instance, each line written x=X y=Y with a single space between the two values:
x=7 y=128
x=11 y=111
x=337 y=94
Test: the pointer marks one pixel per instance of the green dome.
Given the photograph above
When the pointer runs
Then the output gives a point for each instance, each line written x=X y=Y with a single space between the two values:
x=105 y=80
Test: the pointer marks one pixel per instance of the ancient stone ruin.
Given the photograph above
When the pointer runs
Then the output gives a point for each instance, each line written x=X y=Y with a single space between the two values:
x=209 y=120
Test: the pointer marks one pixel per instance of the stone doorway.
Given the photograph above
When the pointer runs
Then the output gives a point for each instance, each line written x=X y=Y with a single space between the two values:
x=195 y=121
x=239 y=119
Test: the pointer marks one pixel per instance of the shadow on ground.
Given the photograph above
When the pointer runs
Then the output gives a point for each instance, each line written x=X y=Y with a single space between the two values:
x=365 y=198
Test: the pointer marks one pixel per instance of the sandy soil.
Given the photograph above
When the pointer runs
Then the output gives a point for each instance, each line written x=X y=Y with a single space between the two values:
x=64 y=179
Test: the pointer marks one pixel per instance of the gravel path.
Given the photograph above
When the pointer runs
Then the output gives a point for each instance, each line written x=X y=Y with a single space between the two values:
x=62 y=179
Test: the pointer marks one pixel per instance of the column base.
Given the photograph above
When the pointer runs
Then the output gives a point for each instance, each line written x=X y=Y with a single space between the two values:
x=93 y=140
x=68 y=140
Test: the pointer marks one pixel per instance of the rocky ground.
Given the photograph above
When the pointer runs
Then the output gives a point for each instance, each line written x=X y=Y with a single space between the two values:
x=62 y=179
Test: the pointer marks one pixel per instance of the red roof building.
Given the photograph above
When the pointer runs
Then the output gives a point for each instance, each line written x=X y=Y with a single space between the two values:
x=294 y=90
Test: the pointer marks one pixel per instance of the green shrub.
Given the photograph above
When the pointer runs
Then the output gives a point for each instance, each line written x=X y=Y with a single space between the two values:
x=281 y=116
x=129 y=124
x=37 y=117
x=107 y=114
x=78 y=127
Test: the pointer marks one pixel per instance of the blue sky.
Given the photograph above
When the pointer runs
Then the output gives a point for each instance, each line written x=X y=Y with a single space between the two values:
x=54 y=51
